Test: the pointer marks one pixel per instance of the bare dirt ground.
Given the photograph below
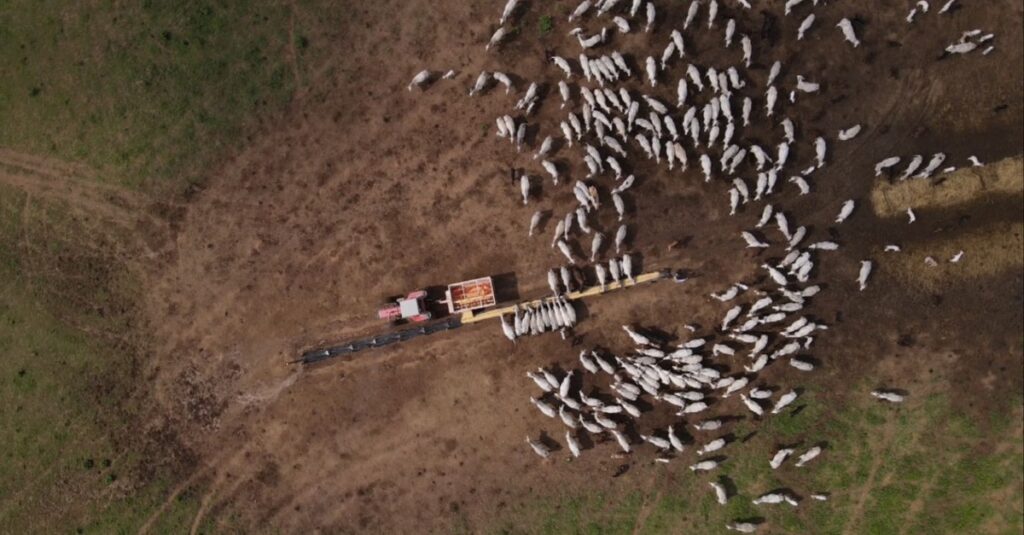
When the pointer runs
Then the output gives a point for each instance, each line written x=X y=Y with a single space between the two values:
x=366 y=190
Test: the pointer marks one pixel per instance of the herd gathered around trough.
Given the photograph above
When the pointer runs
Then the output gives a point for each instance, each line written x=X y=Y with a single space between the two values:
x=689 y=112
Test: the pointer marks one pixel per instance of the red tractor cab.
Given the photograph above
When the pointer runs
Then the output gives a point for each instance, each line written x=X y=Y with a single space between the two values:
x=411 y=308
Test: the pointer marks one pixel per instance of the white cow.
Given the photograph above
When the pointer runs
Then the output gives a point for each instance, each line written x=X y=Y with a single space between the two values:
x=845 y=211
x=704 y=466
x=848 y=33
x=712 y=446
x=574 y=445
x=652 y=71
x=497 y=37
x=562 y=64
x=865 y=271
x=849 y=133
x=804 y=26
x=784 y=401
x=891 y=397
x=420 y=79
x=544 y=408
x=539 y=448
x=887 y=163
x=566 y=251
x=535 y=221
x=720 y=493
x=552 y=170
x=808 y=456
x=752 y=405
x=780 y=457
x=620 y=237
x=752 y=241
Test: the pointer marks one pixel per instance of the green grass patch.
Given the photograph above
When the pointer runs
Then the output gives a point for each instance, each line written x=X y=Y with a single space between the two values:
x=147 y=93
x=885 y=468
x=56 y=427
x=545 y=25
x=67 y=382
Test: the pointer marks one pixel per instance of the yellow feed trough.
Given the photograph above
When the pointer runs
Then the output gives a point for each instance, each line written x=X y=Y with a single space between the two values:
x=471 y=317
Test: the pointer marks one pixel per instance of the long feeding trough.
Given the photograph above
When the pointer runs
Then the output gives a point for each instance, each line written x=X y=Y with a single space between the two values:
x=466 y=300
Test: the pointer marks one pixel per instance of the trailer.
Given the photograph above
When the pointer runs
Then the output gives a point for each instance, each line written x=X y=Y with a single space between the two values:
x=467 y=296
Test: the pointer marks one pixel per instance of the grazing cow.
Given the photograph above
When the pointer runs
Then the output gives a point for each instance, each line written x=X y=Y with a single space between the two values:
x=804 y=26
x=848 y=32
x=712 y=446
x=574 y=445
x=539 y=448
x=808 y=456
x=891 y=397
x=566 y=251
x=752 y=405
x=637 y=338
x=849 y=133
x=691 y=14
x=885 y=164
x=652 y=71
x=801 y=365
x=544 y=408
x=771 y=498
x=704 y=466
x=497 y=37
x=420 y=80
x=562 y=64
x=552 y=170
x=621 y=439
x=780 y=457
x=784 y=401
x=620 y=237
x=752 y=241
x=845 y=211
x=865 y=271
x=720 y=493
x=535 y=221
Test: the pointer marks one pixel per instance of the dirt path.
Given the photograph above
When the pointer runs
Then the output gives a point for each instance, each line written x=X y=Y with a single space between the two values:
x=175 y=492
x=293 y=55
x=103 y=208
x=862 y=497
x=650 y=503
x=918 y=502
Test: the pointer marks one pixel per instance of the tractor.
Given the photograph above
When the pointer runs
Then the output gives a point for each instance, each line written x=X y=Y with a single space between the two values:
x=409 y=309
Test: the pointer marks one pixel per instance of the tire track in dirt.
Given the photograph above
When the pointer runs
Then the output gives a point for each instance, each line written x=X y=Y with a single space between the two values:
x=293 y=56
x=645 y=511
x=223 y=472
x=76 y=187
x=181 y=487
x=876 y=464
x=917 y=504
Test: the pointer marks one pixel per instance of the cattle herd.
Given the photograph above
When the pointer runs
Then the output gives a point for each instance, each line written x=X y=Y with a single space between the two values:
x=677 y=109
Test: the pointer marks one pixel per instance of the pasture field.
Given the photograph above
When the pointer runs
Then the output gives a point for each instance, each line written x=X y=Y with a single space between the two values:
x=192 y=193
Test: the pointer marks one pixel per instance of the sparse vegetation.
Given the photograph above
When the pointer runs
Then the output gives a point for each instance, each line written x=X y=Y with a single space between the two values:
x=147 y=94
x=545 y=24
x=884 y=468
